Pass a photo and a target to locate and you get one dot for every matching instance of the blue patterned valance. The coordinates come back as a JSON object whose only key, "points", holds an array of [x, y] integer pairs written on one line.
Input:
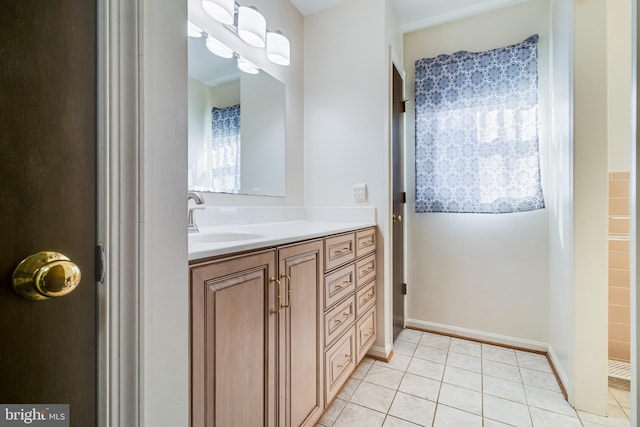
{"points": [[477, 131]]}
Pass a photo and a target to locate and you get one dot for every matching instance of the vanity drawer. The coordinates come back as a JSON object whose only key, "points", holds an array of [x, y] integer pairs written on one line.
{"points": [[366, 332], [339, 284], [339, 364], [339, 250], [365, 298], [365, 270], [339, 319], [365, 242]]}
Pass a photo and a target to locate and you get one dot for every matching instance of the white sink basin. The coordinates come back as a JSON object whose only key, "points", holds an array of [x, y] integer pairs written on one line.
{"points": [[223, 236]]}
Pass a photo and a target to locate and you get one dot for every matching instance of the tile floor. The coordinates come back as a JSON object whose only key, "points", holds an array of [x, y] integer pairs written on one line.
{"points": [[434, 380]]}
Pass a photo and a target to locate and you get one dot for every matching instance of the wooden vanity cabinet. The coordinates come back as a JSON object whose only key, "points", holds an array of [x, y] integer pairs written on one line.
{"points": [[257, 338], [300, 268], [234, 341], [349, 305]]}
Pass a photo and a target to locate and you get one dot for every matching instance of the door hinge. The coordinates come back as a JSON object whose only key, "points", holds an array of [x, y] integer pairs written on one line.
{"points": [[100, 263], [404, 106], [404, 197], [404, 289]]}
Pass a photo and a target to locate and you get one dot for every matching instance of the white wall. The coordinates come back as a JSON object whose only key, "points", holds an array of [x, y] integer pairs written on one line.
{"points": [[347, 86], [480, 275], [282, 15], [590, 205], [164, 316], [559, 196], [618, 81]]}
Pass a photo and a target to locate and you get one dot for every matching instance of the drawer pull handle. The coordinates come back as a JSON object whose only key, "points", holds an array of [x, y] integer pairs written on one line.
{"points": [[366, 299], [287, 279], [341, 250], [345, 316], [366, 270], [347, 360], [369, 333], [366, 244], [277, 282], [343, 284]]}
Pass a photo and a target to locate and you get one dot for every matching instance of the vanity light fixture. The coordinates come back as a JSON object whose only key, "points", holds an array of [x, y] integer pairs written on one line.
{"points": [[193, 30], [278, 48], [252, 26], [216, 47], [247, 66], [247, 24], [220, 10]]}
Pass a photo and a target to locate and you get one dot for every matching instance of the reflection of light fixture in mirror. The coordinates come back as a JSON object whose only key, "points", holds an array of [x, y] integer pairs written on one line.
{"points": [[220, 10], [193, 30], [278, 48], [218, 48], [247, 66], [251, 26]]}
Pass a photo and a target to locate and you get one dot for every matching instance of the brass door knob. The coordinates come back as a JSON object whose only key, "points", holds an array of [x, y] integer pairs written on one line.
{"points": [[397, 218], [45, 275]]}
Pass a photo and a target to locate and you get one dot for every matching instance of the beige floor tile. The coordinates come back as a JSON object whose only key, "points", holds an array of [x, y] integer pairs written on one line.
{"points": [[398, 361], [373, 396], [452, 417], [435, 340], [426, 368], [463, 378], [501, 370], [461, 398], [413, 409], [467, 347], [544, 418], [499, 354], [397, 422], [464, 361], [506, 411], [357, 416], [503, 388], [420, 386], [433, 354], [539, 379], [384, 376]]}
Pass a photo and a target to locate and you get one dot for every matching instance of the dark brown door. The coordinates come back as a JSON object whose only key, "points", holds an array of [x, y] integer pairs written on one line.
{"points": [[48, 200], [399, 199]]}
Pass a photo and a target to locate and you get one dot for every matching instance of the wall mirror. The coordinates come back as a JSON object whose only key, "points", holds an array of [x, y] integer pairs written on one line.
{"points": [[236, 127]]}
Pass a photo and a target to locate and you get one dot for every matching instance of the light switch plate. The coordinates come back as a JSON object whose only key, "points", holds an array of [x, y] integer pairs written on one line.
{"points": [[360, 193]]}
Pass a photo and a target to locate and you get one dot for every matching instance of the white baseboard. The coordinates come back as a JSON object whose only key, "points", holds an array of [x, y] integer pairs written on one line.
{"points": [[561, 373], [478, 335], [379, 352]]}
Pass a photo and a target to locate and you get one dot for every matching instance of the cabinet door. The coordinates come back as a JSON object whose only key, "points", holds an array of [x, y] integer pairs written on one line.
{"points": [[300, 360], [233, 344]]}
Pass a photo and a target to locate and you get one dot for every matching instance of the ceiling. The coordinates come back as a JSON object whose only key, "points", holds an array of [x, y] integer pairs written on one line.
{"points": [[417, 14]]}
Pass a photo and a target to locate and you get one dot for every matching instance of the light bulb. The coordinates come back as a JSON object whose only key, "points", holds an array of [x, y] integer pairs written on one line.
{"points": [[278, 48], [247, 66], [218, 48], [220, 10], [251, 26], [193, 30]]}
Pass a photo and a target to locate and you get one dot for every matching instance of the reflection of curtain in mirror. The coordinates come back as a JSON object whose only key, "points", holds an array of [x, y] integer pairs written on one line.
{"points": [[225, 130]]}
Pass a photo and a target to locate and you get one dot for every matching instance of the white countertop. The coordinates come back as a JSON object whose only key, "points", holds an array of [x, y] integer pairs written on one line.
{"points": [[213, 241]]}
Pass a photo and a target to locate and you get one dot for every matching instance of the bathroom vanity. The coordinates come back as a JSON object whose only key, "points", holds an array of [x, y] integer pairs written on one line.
{"points": [[279, 322]]}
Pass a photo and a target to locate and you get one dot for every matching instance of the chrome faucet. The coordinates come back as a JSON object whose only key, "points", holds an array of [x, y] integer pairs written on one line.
{"points": [[191, 223]]}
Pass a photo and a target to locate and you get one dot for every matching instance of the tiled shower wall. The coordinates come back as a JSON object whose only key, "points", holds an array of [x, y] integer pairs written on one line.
{"points": [[619, 279]]}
